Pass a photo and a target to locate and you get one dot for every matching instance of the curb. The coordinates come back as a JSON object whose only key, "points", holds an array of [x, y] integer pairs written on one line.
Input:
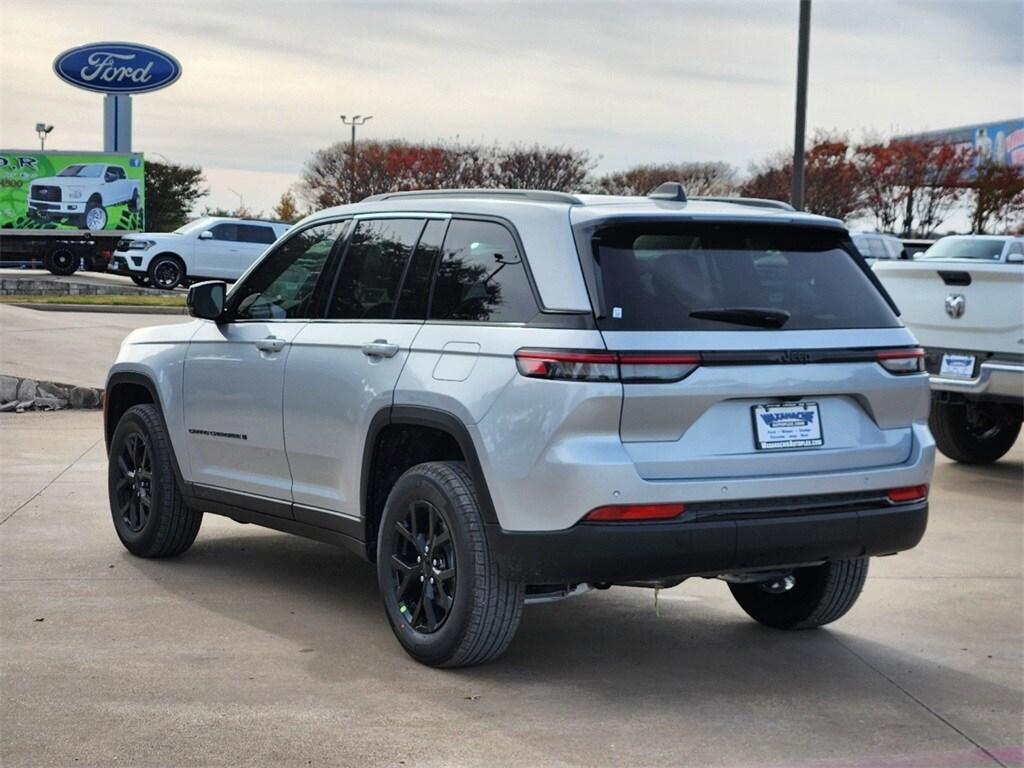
{"points": [[116, 309], [19, 394]]}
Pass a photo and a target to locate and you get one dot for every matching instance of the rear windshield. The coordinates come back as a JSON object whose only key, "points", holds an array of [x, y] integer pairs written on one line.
{"points": [[729, 276], [983, 249]]}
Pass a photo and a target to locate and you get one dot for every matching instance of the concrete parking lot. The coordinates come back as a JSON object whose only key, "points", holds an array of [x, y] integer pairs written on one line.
{"points": [[256, 648]]}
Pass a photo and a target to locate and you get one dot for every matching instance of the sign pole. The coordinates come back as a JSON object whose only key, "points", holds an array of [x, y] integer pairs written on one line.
{"points": [[803, 48], [117, 123]]}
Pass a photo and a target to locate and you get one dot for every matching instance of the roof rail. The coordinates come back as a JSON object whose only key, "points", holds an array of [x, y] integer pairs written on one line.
{"points": [[540, 196], [754, 202]]}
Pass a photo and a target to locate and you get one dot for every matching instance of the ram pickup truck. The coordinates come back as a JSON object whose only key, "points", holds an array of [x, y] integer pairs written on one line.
{"points": [[84, 191], [962, 298]]}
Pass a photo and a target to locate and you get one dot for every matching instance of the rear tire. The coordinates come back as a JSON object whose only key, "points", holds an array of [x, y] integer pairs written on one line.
{"points": [[62, 260], [443, 595], [820, 594], [149, 512], [973, 432]]}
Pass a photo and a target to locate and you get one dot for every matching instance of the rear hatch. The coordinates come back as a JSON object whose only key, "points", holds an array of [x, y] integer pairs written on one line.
{"points": [[752, 349]]}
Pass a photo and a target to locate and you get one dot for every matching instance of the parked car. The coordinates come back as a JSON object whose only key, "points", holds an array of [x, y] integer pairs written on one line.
{"points": [[877, 245], [914, 247], [506, 397], [211, 247], [963, 300], [84, 190]]}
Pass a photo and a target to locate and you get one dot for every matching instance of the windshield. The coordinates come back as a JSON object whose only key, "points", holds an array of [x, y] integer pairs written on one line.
{"points": [[192, 226], [83, 171], [730, 276], [983, 248]]}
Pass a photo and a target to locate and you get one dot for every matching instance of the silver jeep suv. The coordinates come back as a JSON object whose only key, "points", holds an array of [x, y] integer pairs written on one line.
{"points": [[503, 397]]}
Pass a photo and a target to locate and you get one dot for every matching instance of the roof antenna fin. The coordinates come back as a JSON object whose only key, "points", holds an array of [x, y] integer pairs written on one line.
{"points": [[670, 190]]}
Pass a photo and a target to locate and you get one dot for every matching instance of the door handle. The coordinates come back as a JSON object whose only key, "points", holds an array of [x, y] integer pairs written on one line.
{"points": [[270, 344], [380, 348]]}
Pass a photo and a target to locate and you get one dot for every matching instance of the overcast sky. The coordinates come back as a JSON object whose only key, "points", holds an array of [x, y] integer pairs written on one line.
{"points": [[632, 82]]}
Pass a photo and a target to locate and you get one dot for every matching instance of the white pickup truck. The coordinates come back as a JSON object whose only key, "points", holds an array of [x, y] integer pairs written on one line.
{"points": [[964, 300], [84, 191]]}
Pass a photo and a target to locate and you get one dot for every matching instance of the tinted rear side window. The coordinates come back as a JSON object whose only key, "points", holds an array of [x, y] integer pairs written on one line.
{"points": [[251, 233], [655, 275], [412, 303], [374, 264], [481, 276]]}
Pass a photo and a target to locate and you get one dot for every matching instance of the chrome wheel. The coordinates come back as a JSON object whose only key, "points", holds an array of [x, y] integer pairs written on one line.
{"points": [[134, 489], [96, 218], [423, 567]]}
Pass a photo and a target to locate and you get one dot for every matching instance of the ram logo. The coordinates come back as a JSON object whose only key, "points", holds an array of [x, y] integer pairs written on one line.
{"points": [[956, 304]]}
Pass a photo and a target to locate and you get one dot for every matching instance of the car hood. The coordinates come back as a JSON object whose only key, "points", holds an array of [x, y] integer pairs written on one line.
{"points": [[59, 180]]}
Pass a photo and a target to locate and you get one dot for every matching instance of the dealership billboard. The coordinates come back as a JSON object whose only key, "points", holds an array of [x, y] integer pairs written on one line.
{"points": [[1001, 142], [94, 191]]}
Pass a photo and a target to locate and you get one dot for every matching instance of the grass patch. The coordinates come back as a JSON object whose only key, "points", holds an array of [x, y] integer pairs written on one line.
{"points": [[97, 301]]}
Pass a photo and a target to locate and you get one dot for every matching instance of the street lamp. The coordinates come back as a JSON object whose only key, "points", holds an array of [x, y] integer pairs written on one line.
{"points": [[43, 130], [354, 121], [241, 202]]}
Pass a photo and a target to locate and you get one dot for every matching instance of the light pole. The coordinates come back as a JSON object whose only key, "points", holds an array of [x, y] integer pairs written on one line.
{"points": [[241, 202], [803, 49], [354, 121], [43, 130]]}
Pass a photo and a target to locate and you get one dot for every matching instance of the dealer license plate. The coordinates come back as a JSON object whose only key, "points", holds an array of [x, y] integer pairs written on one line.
{"points": [[787, 425], [957, 366]]}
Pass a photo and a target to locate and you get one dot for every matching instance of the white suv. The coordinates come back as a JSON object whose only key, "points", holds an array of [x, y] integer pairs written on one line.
{"points": [[509, 397], [213, 247]]}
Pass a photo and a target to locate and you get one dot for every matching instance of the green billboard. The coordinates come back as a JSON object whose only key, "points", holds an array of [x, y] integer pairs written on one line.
{"points": [[93, 191]]}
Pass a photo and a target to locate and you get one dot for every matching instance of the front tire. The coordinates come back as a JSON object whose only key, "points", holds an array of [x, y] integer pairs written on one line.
{"points": [[150, 514], [166, 272], [973, 432], [819, 594], [443, 595]]}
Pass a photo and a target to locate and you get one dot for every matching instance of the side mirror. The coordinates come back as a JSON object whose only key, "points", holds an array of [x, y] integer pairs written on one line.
{"points": [[1015, 258], [207, 235], [206, 300]]}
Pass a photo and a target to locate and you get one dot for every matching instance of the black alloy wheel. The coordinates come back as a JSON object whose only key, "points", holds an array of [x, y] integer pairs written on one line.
{"points": [[134, 489], [423, 567]]}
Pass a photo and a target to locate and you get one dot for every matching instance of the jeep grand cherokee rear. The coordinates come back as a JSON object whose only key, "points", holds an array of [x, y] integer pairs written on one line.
{"points": [[504, 397]]}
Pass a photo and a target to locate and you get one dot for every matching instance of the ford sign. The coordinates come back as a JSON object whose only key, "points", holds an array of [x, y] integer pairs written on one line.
{"points": [[117, 68]]}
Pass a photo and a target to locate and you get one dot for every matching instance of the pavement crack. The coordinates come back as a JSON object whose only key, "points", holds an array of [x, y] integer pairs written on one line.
{"points": [[919, 702], [57, 477]]}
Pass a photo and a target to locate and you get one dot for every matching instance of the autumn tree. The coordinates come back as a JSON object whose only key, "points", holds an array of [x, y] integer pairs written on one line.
{"points": [[911, 186], [997, 196], [707, 179], [831, 179], [287, 209], [172, 191]]}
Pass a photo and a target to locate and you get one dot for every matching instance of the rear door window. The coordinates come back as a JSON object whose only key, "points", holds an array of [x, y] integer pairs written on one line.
{"points": [[481, 276], [253, 233], [373, 267], [731, 276]]}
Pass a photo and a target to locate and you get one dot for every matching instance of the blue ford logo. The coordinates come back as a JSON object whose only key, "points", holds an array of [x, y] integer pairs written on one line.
{"points": [[117, 68]]}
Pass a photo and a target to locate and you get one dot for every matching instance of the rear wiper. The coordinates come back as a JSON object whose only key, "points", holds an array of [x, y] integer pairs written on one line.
{"points": [[759, 317]]}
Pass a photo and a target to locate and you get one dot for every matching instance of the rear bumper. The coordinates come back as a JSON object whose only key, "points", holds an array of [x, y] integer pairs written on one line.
{"points": [[995, 378], [617, 552]]}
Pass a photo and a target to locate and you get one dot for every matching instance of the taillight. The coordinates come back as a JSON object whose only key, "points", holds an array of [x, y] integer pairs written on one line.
{"points": [[568, 366], [626, 513], [910, 493], [901, 361], [628, 367]]}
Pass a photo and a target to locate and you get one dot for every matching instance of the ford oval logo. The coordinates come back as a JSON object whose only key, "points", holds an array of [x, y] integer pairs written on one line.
{"points": [[117, 68]]}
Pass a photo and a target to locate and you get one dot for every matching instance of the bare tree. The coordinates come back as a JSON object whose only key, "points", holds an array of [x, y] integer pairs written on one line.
{"points": [[712, 178]]}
